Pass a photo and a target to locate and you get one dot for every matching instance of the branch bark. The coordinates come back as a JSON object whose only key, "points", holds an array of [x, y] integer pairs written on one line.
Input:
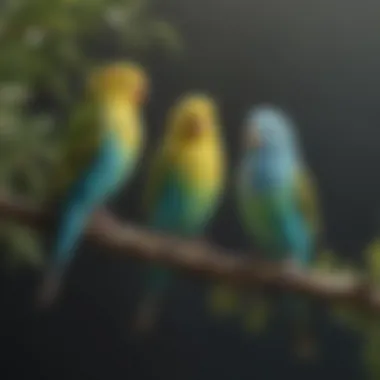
{"points": [[209, 261]]}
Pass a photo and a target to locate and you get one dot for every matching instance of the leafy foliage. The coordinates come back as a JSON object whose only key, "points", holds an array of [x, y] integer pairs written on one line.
{"points": [[254, 312], [371, 326], [46, 45], [223, 300], [251, 308], [366, 325]]}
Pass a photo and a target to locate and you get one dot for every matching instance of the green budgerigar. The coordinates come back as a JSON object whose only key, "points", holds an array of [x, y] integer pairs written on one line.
{"points": [[277, 204], [184, 187]]}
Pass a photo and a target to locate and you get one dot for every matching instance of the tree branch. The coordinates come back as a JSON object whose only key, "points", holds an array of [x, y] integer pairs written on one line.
{"points": [[208, 260]]}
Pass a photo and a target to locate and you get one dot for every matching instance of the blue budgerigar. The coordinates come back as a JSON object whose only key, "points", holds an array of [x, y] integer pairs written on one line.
{"points": [[277, 203], [104, 145]]}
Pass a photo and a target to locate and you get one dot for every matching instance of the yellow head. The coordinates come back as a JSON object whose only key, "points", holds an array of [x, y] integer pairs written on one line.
{"points": [[193, 118], [125, 81]]}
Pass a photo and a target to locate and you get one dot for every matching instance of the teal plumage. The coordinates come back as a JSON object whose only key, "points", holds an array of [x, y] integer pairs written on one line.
{"points": [[276, 203], [111, 166], [180, 210], [279, 227]]}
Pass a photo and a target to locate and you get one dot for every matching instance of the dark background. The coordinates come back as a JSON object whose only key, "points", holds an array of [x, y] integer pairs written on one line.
{"points": [[319, 60]]}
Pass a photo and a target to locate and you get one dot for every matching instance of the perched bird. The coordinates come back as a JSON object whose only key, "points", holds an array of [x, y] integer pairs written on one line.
{"points": [[185, 185], [277, 203], [104, 143]]}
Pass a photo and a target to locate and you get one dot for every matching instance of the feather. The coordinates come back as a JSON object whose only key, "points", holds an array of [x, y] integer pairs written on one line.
{"points": [[308, 200]]}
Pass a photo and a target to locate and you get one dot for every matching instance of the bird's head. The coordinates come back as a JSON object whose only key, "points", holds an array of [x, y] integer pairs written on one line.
{"points": [[121, 81], [193, 118], [268, 127]]}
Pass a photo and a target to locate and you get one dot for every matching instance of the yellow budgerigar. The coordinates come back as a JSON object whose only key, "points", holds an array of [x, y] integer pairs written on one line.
{"points": [[184, 186], [103, 147]]}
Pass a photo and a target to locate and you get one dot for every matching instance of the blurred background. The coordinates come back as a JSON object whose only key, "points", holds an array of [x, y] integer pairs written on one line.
{"points": [[319, 60]]}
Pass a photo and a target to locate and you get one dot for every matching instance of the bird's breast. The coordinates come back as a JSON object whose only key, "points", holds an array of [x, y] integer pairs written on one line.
{"points": [[202, 169], [123, 157], [272, 171], [128, 131]]}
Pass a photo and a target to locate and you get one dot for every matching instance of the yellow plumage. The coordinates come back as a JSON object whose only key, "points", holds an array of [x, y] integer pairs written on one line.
{"points": [[127, 124], [100, 154], [110, 91], [118, 80], [308, 200], [185, 185], [201, 160]]}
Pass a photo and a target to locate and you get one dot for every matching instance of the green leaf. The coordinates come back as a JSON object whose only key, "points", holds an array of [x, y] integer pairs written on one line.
{"points": [[256, 314], [45, 44], [223, 300], [25, 247], [370, 352], [372, 257], [326, 260]]}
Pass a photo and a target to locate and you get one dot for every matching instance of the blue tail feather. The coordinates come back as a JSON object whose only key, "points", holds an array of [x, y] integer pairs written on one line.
{"points": [[72, 224]]}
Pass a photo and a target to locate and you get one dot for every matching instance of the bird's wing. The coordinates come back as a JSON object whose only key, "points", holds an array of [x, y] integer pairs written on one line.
{"points": [[307, 198], [156, 180], [244, 193], [78, 148]]}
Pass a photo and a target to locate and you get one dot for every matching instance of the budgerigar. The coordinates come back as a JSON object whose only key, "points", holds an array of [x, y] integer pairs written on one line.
{"points": [[277, 202], [104, 144], [184, 187]]}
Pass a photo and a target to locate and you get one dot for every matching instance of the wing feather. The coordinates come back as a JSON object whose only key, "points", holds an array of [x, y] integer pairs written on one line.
{"points": [[77, 149], [156, 178], [308, 199]]}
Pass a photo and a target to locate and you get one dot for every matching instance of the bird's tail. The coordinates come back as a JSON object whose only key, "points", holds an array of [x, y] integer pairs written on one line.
{"points": [[48, 289], [69, 228], [150, 306]]}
